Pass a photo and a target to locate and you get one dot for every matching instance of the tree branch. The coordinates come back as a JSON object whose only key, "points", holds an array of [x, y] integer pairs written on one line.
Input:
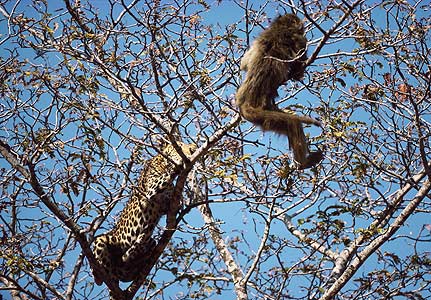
{"points": [[215, 232], [362, 256]]}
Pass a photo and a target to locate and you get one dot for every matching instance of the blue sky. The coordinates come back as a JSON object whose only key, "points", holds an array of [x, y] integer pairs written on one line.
{"points": [[235, 216]]}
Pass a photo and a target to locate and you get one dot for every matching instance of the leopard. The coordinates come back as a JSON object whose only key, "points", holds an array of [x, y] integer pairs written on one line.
{"points": [[123, 250]]}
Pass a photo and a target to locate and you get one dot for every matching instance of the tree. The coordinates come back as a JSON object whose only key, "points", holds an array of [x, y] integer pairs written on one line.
{"points": [[90, 91]]}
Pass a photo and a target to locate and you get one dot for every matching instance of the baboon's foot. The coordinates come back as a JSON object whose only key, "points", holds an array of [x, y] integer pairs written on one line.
{"points": [[313, 159]]}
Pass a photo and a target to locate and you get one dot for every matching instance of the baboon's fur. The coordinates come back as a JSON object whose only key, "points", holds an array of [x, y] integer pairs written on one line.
{"points": [[276, 56]]}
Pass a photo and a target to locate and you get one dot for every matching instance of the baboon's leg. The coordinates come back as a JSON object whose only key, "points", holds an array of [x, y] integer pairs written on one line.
{"points": [[312, 159], [274, 120], [299, 145], [289, 125], [297, 142]]}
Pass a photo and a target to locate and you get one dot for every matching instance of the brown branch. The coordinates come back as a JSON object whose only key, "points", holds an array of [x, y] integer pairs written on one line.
{"points": [[232, 267], [165, 238], [44, 284], [306, 239], [263, 241], [173, 221], [16, 291], [74, 277], [327, 34], [28, 171], [362, 256], [383, 220]]}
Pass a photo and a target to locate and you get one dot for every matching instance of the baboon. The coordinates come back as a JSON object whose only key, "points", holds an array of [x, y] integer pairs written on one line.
{"points": [[277, 55]]}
